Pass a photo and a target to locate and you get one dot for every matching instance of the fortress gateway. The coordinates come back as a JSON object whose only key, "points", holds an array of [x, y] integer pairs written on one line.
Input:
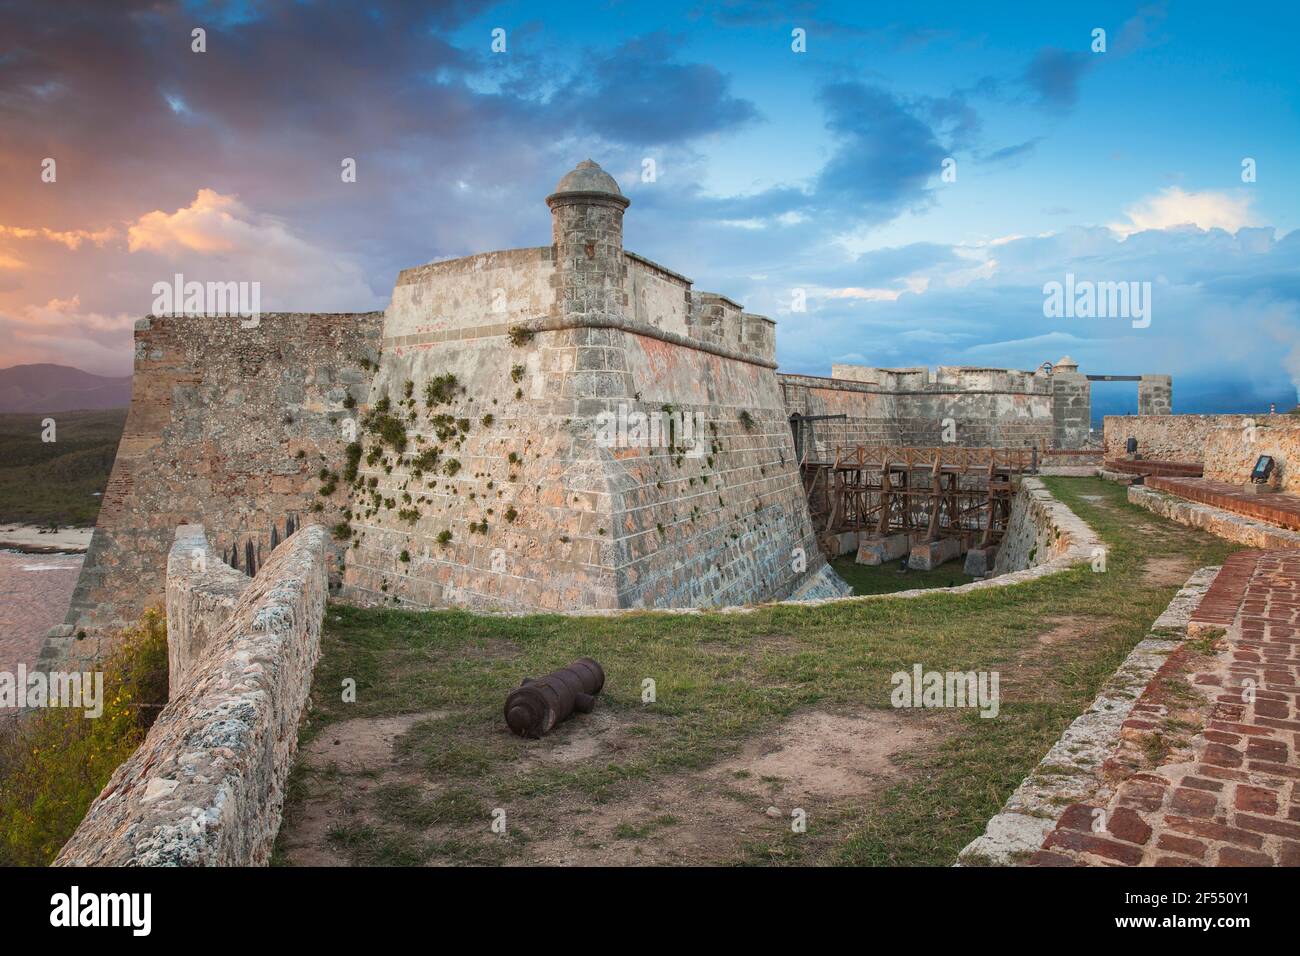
{"points": [[458, 446]]}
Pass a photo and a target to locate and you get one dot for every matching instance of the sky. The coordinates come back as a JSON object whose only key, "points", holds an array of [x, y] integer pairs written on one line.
{"points": [[896, 184]]}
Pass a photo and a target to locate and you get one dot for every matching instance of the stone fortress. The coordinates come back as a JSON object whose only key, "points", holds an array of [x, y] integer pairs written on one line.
{"points": [[453, 443]]}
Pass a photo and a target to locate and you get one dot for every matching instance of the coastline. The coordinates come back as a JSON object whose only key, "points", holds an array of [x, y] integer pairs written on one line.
{"points": [[29, 539]]}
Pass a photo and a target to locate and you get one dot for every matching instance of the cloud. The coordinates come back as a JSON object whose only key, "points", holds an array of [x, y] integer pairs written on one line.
{"points": [[640, 94], [71, 238], [60, 331], [1018, 151], [1053, 76], [218, 237], [1174, 207]]}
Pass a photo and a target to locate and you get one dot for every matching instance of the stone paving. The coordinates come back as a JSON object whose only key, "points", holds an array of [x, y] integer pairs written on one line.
{"points": [[34, 594], [1229, 796], [1276, 508]]}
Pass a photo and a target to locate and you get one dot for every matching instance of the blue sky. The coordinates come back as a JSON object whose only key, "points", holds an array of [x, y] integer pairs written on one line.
{"points": [[776, 170]]}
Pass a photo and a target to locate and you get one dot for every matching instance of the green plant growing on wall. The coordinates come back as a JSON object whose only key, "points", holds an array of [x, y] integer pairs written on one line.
{"points": [[440, 390], [353, 453], [444, 426], [517, 373], [747, 420], [519, 335], [389, 429]]}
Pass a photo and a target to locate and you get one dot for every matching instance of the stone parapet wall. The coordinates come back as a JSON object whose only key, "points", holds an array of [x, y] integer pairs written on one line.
{"points": [[206, 788], [202, 590], [1231, 453], [229, 426], [1230, 525], [1168, 437]]}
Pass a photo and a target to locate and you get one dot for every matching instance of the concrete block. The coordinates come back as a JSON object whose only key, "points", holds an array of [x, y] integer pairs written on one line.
{"points": [[928, 555], [876, 550], [979, 561]]}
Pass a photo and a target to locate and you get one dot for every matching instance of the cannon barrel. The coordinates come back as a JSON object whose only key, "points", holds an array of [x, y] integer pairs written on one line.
{"points": [[536, 706]]}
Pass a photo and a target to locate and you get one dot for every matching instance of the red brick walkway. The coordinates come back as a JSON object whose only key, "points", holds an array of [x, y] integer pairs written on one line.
{"points": [[1276, 508], [1146, 466], [1233, 798]]}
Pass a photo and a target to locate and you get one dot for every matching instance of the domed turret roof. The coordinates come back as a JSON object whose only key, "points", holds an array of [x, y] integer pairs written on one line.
{"points": [[589, 179]]}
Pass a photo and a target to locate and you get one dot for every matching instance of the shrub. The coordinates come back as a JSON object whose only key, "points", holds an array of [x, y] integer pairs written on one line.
{"points": [[520, 335], [353, 460], [440, 390], [55, 761]]}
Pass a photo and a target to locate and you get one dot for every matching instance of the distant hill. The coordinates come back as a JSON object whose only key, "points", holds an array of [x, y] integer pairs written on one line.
{"points": [[36, 389]]}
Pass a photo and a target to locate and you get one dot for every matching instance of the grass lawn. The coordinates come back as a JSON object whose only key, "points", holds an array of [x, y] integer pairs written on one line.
{"points": [[887, 578], [785, 708], [45, 483]]}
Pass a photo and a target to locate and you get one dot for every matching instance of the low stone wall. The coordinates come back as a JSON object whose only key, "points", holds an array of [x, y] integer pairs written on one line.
{"points": [[206, 788], [1230, 453], [202, 590], [1042, 531], [1217, 521], [1185, 438]]}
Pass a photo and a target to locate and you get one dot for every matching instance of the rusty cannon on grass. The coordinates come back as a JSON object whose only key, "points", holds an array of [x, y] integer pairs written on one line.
{"points": [[536, 706]]}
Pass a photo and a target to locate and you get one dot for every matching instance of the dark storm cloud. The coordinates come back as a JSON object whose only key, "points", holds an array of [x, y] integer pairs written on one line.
{"points": [[886, 153], [1053, 77], [442, 130], [638, 94]]}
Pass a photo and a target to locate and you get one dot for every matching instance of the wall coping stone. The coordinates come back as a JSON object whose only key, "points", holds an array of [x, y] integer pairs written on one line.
{"points": [[206, 788]]}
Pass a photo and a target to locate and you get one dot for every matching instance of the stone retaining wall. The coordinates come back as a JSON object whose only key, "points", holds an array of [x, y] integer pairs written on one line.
{"points": [[206, 788], [1042, 531], [1227, 445]]}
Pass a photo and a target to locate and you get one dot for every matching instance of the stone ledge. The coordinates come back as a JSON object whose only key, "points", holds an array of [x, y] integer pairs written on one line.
{"points": [[1225, 524], [206, 788]]}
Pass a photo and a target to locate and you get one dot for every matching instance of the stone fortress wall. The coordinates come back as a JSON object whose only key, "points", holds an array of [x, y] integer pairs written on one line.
{"points": [[228, 426], [454, 443], [1226, 445], [509, 495], [987, 407]]}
